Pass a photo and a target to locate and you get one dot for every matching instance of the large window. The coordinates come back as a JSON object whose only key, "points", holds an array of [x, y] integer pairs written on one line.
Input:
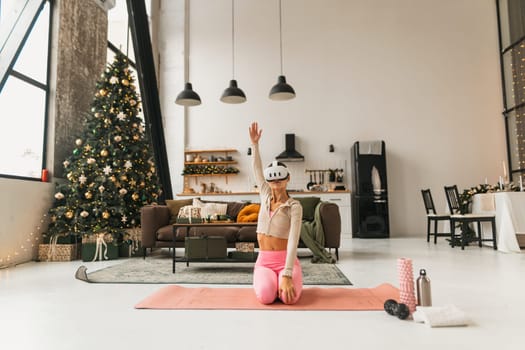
{"points": [[23, 91], [24, 83], [119, 37], [512, 43]]}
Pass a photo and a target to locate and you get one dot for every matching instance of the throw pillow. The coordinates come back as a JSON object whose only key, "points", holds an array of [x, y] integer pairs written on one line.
{"points": [[189, 211], [174, 206], [189, 214], [250, 213], [210, 208], [234, 208], [308, 204]]}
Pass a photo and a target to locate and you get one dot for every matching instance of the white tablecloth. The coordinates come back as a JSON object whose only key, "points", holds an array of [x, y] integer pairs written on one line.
{"points": [[509, 208]]}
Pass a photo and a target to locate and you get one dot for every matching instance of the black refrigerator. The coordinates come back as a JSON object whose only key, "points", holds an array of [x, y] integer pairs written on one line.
{"points": [[369, 190]]}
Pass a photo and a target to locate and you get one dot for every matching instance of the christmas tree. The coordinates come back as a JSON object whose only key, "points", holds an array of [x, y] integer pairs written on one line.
{"points": [[111, 173]]}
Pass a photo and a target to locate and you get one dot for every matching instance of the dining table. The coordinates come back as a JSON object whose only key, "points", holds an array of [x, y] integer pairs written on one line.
{"points": [[509, 208]]}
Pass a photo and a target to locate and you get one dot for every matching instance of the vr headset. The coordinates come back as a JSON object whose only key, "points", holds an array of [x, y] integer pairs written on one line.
{"points": [[275, 172]]}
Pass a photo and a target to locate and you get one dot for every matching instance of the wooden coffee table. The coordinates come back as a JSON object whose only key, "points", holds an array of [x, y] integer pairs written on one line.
{"points": [[188, 226]]}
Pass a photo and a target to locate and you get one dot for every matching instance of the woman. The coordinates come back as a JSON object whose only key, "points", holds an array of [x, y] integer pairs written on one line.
{"points": [[277, 272]]}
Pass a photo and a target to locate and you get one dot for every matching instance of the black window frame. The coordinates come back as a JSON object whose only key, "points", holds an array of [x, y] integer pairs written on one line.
{"points": [[14, 73]]}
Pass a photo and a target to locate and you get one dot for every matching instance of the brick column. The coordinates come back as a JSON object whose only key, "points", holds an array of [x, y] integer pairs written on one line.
{"points": [[81, 58]]}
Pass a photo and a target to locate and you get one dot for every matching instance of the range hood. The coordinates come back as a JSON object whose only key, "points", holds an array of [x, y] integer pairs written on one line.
{"points": [[290, 154]]}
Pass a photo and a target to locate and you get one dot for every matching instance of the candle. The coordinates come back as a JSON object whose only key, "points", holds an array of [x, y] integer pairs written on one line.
{"points": [[504, 171], [45, 174], [500, 183], [486, 182], [521, 184]]}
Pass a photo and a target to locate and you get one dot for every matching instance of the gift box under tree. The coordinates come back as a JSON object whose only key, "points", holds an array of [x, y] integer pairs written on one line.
{"points": [[59, 252], [59, 247], [99, 246]]}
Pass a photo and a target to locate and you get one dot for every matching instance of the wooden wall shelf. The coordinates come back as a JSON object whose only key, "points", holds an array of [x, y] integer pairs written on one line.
{"points": [[211, 163], [201, 175], [224, 163], [219, 150]]}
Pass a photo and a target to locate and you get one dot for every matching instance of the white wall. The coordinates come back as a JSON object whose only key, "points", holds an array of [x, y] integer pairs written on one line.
{"points": [[23, 213], [422, 75]]}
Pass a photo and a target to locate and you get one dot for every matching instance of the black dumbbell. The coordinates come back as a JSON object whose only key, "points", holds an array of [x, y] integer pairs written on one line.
{"points": [[394, 308]]}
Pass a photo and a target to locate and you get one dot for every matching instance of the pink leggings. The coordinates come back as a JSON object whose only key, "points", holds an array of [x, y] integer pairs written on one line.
{"points": [[267, 276]]}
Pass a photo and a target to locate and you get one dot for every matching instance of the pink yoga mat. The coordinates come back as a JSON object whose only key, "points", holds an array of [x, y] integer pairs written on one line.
{"points": [[313, 298]]}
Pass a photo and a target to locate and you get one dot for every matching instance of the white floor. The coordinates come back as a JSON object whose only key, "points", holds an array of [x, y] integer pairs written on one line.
{"points": [[42, 306]]}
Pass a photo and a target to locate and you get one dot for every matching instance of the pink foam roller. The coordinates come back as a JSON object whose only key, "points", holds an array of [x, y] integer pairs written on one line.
{"points": [[406, 283]]}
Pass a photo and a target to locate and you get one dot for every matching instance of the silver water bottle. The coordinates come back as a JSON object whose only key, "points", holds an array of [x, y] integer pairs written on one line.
{"points": [[424, 297]]}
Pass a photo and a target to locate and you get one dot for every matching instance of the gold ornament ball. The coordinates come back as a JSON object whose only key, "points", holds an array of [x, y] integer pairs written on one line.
{"points": [[124, 178], [69, 214], [136, 137], [142, 184], [113, 178], [78, 142], [103, 92], [88, 195], [104, 153], [135, 196], [105, 215], [69, 176], [125, 82]]}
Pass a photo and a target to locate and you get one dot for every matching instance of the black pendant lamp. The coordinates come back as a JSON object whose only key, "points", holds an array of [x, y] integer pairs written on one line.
{"points": [[187, 97], [233, 94], [281, 91]]}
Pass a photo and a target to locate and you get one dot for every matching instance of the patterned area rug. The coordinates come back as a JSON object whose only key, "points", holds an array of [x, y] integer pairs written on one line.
{"points": [[157, 269]]}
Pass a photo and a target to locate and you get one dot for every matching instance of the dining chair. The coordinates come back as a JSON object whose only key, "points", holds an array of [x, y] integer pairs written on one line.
{"points": [[433, 217], [453, 201]]}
